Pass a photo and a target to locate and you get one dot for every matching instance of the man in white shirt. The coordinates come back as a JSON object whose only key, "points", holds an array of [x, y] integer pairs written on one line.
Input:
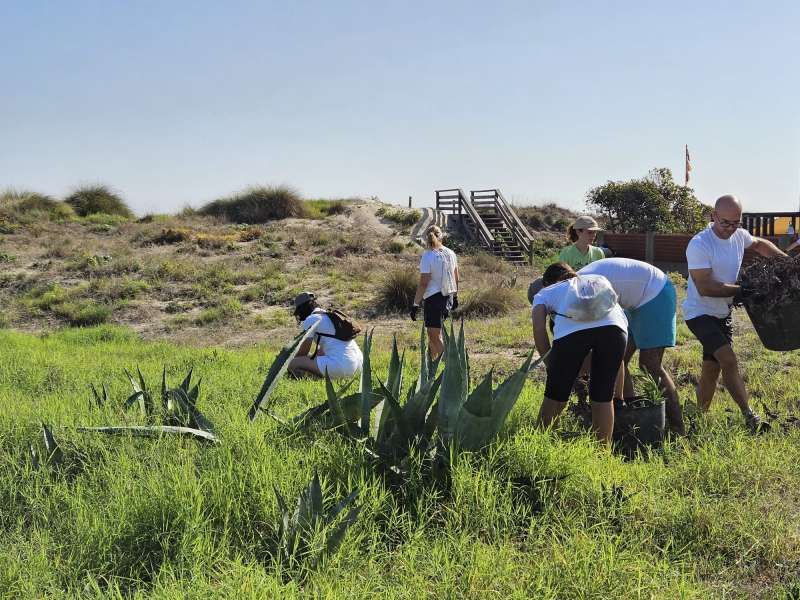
{"points": [[714, 257]]}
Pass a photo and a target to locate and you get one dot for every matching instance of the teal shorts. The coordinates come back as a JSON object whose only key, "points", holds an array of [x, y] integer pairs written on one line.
{"points": [[653, 324]]}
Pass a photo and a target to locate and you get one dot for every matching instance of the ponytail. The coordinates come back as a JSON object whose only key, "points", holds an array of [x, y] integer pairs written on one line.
{"points": [[572, 234], [557, 272], [434, 236]]}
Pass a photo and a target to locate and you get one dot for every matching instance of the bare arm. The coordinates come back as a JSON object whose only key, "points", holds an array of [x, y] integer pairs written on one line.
{"points": [[458, 278], [766, 248], [424, 279], [540, 337], [305, 347], [708, 286]]}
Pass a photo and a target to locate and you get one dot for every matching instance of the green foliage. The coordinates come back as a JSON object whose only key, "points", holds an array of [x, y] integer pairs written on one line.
{"points": [[98, 199], [653, 203], [396, 290], [257, 205], [82, 313], [220, 311], [319, 209], [485, 302], [399, 216], [298, 530]]}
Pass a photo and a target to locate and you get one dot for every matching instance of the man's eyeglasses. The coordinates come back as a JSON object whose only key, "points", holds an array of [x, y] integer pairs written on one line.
{"points": [[729, 224]]}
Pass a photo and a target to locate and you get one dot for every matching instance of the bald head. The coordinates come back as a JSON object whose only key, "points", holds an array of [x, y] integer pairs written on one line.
{"points": [[727, 216], [728, 203]]}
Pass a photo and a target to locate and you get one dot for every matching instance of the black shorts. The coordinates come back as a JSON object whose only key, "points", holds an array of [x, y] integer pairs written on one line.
{"points": [[607, 345], [437, 309], [713, 333]]}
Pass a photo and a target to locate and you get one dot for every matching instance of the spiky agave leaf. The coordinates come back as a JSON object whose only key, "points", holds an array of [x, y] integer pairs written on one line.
{"points": [[335, 538], [152, 431], [394, 385], [140, 394], [343, 410], [366, 383], [278, 369], [99, 400], [54, 453], [196, 418], [483, 415], [187, 381], [418, 403], [393, 436], [455, 382], [194, 393]]}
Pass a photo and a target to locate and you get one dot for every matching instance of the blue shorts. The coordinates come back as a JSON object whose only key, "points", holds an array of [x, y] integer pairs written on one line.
{"points": [[653, 324]]}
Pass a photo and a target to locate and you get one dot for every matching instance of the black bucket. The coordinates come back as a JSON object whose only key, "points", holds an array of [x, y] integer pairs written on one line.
{"points": [[779, 327], [638, 424]]}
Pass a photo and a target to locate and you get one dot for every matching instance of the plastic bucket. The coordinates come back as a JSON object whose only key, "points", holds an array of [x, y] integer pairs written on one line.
{"points": [[638, 424], [779, 327]]}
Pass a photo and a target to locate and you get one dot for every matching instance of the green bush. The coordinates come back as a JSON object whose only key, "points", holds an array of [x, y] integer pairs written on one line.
{"points": [[257, 205], [219, 312], [396, 290], [399, 216], [319, 209], [82, 313], [29, 206], [493, 301], [90, 200]]}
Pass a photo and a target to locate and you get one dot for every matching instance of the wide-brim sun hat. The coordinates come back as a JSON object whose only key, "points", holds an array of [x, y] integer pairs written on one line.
{"points": [[586, 222]]}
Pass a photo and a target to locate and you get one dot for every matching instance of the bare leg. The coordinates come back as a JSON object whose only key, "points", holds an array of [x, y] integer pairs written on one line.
{"points": [[435, 342], [650, 360], [732, 378], [603, 421], [619, 384], [304, 366], [549, 412], [708, 384]]}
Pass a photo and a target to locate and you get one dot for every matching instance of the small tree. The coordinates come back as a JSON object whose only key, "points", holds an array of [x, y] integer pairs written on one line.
{"points": [[653, 203]]}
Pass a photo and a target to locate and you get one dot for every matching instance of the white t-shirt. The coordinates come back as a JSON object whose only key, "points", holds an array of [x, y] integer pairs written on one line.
{"points": [[441, 263], [336, 349], [724, 258], [635, 282], [553, 297]]}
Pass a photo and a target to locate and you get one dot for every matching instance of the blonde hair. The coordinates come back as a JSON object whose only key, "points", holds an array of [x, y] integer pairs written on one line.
{"points": [[434, 234]]}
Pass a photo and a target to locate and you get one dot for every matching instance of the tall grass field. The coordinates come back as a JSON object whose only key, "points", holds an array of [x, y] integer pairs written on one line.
{"points": [[539, 514]]}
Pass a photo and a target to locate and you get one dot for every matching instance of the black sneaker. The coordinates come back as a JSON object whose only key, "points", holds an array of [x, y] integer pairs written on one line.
{"points": [[755, 424]]}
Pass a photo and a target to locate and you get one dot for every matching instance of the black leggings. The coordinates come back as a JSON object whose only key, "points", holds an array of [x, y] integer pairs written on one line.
{"points": [[607, 345]]}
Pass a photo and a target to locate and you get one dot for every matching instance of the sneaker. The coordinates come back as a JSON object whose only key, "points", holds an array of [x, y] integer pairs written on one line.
{"points": [[755, 424]]}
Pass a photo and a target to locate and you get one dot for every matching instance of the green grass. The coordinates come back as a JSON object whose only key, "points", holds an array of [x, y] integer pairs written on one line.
{"points": [[715, 515], [98, 199]]}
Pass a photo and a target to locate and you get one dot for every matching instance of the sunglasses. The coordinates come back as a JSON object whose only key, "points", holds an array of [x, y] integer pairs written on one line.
{"points": [[729, 224]]}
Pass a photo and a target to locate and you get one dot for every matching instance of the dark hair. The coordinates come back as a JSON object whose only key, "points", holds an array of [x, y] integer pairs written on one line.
{"points": [[302, 312], [557, 272], [572, 234]]}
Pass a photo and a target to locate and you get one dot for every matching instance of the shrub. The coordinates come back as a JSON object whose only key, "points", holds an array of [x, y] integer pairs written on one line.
{"points": [[318, 209], [488, 262], [493, 301], [96, 199], [32, 205], [396, 290], [399, 216], [82, 313], [219, 312], [395, 247], [257, 205], [171, 236]]}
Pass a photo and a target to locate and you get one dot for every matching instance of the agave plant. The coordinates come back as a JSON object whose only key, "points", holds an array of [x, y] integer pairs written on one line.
{"points": [[298, 528], [177, 413], [54, 456], [278, 370]]}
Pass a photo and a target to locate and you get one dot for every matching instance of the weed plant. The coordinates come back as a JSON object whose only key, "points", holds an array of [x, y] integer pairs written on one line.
{"points": [[98, 199], [396, 290], [257, 205]]}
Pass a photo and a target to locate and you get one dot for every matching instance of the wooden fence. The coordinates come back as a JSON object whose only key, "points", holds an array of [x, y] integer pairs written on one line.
{"points": [[666, 250]]}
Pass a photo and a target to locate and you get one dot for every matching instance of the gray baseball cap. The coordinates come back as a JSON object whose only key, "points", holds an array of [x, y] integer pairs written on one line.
{"points": [[534, 288], [302, 298]]}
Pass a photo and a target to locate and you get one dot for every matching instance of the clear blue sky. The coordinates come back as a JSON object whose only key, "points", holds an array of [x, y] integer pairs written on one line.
{"points": [[181, 102]]}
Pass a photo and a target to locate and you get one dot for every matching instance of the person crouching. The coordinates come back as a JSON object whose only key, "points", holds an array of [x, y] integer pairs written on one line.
{"points": [[587, 318], [341, 359]]}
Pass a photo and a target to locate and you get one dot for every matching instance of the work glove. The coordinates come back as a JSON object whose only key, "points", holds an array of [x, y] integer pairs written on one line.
{"points": [[413, 312], [455, 302], [742, 295]]}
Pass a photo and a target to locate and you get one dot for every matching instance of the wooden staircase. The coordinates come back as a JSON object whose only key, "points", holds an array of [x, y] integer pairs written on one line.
{"points": [[487, 219]]}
